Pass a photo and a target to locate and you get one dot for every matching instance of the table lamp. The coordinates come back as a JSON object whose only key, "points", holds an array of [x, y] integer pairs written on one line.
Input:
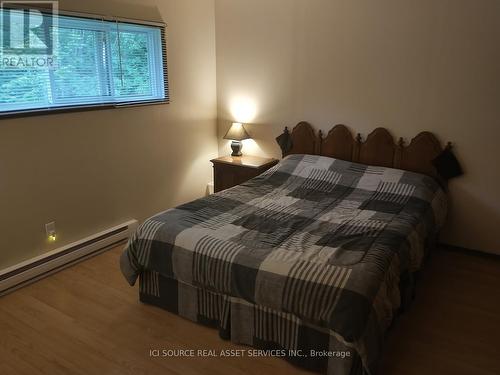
{"points": [[236, 134]]}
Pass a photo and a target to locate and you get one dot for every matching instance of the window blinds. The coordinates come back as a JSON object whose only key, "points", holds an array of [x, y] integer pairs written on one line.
{"points": [[96, 62]]}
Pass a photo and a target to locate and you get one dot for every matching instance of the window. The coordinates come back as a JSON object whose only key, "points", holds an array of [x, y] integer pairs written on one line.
{"points": [[95, 63]]}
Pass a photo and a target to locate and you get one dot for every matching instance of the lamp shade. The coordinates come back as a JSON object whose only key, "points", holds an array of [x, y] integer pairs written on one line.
{"points": [[237, 132]]}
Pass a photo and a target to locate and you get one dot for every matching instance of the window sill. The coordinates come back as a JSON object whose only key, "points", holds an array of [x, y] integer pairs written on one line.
{"points": [[83, 108]]}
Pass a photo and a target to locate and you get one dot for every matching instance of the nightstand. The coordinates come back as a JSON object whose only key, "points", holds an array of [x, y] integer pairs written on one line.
{"points": [[230, 171]]}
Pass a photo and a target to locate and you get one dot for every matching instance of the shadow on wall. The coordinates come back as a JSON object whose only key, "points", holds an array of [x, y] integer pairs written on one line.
{"points": [[267, 145], [470, 231]]}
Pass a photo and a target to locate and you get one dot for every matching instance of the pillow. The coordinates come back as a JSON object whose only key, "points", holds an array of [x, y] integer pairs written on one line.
{"points": [[285, 142], [447, 164]]}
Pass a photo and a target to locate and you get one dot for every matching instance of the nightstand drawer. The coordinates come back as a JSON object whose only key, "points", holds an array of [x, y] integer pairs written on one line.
{"points": [[232, 171], [226, 176]]}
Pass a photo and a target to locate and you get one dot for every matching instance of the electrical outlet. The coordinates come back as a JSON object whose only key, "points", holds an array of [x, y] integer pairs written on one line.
{"points": [[50, 230]]}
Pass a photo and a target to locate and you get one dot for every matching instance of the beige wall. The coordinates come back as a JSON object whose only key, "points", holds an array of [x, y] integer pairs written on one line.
{"points": [[406, 65], [91, 170]]}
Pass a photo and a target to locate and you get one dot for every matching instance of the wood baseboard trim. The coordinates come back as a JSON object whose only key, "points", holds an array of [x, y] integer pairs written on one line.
{"points": [[465, 250], [47, 264]]}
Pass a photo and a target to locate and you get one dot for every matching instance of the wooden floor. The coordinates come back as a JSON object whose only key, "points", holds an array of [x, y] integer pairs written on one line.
{"points": [[87, 320]]}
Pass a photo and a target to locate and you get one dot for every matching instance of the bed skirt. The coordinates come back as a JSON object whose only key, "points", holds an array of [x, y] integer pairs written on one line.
{"points": [[304, 345]]}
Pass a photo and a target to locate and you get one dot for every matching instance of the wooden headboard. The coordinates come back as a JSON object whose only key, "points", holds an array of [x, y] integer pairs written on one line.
{"points": [[377, 149]]}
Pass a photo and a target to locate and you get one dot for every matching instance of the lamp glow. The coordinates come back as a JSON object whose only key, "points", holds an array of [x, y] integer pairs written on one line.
{"points": [[243, 109]]}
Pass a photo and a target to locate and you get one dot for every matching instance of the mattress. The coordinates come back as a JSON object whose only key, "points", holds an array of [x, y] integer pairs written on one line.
{"points": [[321, 240]]}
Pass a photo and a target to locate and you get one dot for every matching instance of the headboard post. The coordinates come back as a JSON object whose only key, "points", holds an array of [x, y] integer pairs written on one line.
{"points": [[398, 154], [357, 148], [320, 142]]}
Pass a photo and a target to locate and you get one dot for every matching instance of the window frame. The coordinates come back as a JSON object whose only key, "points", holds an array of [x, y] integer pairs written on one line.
{"points": [[121, 24]]}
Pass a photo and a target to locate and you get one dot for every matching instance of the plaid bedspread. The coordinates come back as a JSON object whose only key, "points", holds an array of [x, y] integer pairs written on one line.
{"points": [[319, 238]]}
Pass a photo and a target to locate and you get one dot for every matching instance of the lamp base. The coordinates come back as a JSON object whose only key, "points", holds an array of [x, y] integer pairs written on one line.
{"points": [[236, 146]]}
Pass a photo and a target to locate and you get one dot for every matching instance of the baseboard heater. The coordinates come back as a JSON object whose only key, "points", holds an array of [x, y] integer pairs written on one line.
{"points": [[44, 265]]}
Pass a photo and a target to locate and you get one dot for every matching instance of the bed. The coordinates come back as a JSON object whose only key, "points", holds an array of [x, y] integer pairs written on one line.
{"points": [[308, 260]]}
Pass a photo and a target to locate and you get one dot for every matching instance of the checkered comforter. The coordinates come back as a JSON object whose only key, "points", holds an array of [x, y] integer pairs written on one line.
{"points": [[323, 239]]}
